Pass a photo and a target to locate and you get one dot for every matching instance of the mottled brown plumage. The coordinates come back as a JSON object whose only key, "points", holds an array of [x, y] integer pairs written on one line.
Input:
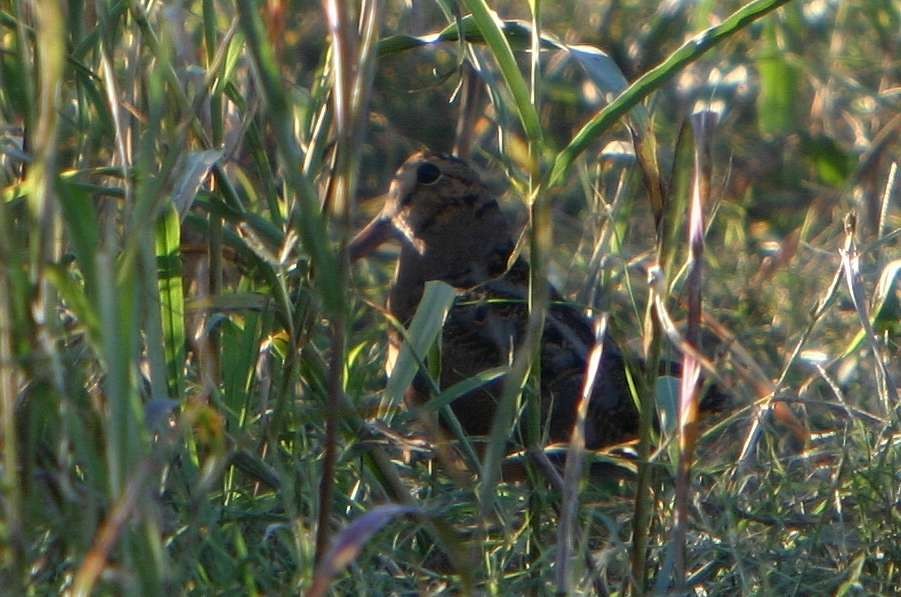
{"points": [[452, 229]]}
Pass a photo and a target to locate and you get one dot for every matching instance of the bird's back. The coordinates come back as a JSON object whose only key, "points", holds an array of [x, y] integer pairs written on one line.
{"points": [[484, 327]]}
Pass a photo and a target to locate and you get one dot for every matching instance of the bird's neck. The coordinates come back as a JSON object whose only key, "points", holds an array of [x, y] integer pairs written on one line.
{"points": [[412, 273], [409, 284]]}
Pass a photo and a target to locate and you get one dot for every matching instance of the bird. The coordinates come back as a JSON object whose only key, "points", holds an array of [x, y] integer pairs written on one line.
{"points": [[451, 228]]}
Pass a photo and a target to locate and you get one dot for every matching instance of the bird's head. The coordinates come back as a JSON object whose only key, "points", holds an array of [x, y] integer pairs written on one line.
{"points": [[450, 224]]}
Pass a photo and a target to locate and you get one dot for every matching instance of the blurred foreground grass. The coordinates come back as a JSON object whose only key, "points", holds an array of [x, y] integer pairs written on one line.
{"points": [[189, 368]]}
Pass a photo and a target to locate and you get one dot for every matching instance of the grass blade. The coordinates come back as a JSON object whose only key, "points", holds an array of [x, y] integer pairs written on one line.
{"points": [[422, 333], [172, 299], [491, 28], [654, 79]]}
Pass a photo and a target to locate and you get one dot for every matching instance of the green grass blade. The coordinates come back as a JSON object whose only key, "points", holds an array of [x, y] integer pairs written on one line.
{"points": [[172, 301], [422, 333], [309, 219], [491, 28], [779, 86], [654, 79], [80, 220], [447, 396]]}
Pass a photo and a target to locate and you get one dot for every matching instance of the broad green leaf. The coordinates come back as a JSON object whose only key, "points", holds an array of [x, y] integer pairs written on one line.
{"points": [[671, 227], [666, 400], [231, 301], [422, 333], [243, 341], [603, 71], [250, 257], [885, 312], [80, 219], [172, 301], [517, 33], [886, 301], [235, 48], [120, 329]]}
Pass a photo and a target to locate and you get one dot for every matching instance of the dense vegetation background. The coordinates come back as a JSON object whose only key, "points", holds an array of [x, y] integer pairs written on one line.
{"points": [[190, 370]]}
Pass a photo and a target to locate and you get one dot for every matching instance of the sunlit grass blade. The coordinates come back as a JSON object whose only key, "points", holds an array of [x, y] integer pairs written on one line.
{"points": [[572, 472], [172, 300], [422, 333]]}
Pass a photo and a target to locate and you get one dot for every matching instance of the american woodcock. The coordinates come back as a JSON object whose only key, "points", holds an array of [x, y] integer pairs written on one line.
{"points": [[452, 229]]}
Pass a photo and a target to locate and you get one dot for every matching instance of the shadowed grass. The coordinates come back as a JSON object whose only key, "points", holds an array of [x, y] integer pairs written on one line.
{"points": [[192, 382]]}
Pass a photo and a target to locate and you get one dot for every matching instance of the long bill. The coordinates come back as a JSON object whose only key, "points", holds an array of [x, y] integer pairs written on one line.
{"points": [[367, 240]]}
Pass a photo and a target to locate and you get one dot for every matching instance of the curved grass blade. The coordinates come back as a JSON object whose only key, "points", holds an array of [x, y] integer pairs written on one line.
{"points": [[350, 542], [654, 79], [191, 171], [517, 33]]}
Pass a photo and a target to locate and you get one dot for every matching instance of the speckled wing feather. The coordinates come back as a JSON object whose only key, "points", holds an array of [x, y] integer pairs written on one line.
{"points": [[489, 321]]}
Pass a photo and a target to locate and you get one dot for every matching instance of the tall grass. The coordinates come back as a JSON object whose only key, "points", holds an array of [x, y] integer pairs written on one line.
{"points": [[191, 386]]}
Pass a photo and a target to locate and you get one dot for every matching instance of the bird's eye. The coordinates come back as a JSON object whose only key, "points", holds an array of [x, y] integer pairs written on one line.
{"points": [[427, 173]]}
